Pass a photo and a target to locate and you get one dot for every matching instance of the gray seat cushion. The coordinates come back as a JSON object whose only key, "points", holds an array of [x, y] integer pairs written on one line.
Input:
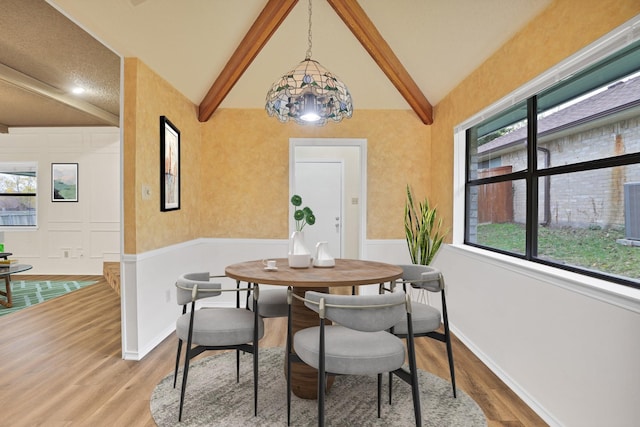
{"points": [[219, 326], [423, 317], [349, 351]]}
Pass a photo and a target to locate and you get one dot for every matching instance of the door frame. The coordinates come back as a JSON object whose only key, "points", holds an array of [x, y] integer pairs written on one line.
{"points": [[361, 144]]}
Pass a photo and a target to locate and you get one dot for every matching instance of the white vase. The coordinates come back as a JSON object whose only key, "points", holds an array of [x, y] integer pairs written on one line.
{"points": [[299, 255], [323, 258]]}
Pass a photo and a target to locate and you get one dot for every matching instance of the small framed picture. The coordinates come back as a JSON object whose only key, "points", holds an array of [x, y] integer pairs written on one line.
{"points": [[169, 166], [64, 182]]}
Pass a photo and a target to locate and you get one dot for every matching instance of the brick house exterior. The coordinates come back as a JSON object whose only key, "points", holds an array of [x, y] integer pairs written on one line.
{"points": [[604, 125]]}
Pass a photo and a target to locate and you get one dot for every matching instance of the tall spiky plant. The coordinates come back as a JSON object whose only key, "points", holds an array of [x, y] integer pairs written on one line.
{"points": [[423, 230]]}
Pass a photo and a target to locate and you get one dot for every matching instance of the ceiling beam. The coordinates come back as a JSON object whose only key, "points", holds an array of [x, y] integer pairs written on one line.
{"points": [[260, 32], [32, 85], [361, 26]]}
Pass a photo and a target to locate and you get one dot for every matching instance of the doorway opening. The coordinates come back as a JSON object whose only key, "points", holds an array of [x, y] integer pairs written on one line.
{"points": [[313, 156]]}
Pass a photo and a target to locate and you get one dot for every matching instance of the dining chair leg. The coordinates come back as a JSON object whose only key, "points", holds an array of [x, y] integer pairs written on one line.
{"points": [[255, 381], [289, 346], [451, 369], [187, 358], [447, 340], [379, 394], [416, 398], [237, 366], [414, 380], [238, 306], [288, 388], [175, 372], [390, 387], [322, 376], [185, 373], [321, 387]]}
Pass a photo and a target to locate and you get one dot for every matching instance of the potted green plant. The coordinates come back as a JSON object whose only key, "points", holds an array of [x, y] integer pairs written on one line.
{"points": [[302, 216], [299, 256], [423, 230]]}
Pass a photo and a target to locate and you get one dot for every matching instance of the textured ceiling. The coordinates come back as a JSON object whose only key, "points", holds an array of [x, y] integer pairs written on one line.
{"points": [[43, 55], [188, 43]]}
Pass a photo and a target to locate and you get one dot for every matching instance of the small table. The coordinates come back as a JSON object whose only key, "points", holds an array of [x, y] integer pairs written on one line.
{"points": [[347, 272], [6, 272]]}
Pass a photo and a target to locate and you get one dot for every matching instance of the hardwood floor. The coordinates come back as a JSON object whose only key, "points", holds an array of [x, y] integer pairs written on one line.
{"points": [[61, 365]]}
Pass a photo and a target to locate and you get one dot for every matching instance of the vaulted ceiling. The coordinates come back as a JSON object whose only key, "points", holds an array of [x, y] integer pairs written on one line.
{"points": [[401, 54]]}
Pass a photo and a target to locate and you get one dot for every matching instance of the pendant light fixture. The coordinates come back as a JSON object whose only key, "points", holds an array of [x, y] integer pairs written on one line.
{"points": [[309, 94]]}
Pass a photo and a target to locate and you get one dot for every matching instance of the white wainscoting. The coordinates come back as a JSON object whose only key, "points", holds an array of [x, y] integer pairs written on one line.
{"points": [[570, 354], [71, 237], [148, 284], [149, 308]]}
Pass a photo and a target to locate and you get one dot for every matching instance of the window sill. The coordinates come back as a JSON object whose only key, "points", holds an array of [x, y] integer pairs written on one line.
{"points": [[612, 293]]}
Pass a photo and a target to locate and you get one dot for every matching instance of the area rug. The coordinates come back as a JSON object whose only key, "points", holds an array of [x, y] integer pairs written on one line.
{"points": [[26, 293], [213, 398]]}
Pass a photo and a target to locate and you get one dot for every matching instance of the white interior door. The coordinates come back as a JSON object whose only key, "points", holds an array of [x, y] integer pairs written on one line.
{"points": [[320, 184]]}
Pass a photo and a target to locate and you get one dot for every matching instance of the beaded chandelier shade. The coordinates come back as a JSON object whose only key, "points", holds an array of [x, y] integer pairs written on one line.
{"points": [[309, 93]]}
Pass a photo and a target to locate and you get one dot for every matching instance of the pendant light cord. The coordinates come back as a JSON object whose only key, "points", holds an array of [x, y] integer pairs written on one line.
{"points": [[308, 56]]}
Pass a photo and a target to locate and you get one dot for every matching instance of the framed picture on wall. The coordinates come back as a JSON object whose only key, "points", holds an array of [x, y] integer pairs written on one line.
{"points": [[64, 182], [169, 165]]}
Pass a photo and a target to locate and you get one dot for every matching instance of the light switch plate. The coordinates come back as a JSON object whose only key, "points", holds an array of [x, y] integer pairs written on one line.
{"points": [[146, 192]]}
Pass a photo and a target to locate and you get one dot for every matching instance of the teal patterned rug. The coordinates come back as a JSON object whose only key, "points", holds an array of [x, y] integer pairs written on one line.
{"points": [[26, 293]]}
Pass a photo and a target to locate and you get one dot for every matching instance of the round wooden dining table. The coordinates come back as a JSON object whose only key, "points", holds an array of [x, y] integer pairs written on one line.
{"points": [[345, 273]]}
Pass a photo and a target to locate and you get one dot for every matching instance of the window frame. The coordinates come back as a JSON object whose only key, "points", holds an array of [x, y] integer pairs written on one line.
{"points": [[616, 41], [35, 166]]}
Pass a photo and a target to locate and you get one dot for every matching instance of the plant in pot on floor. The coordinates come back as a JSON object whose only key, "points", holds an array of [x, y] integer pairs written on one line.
{"points": [[299, 255], [424, 233], [423, 230]]}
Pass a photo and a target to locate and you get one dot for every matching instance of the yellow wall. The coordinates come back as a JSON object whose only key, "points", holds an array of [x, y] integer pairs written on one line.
{"points": [[235, 166], [245, 169], [561, 30], [147, 97]]}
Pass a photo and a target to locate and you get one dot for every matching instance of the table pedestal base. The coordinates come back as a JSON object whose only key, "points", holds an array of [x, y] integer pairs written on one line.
{"points": [[346, 273]]}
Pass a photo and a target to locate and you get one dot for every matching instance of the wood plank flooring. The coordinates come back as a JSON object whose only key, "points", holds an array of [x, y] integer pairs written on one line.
{"points": [[61, 365]]}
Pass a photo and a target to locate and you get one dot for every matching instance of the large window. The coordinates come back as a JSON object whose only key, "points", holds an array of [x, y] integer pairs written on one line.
{"points": [[555, 179], [18, 189]]}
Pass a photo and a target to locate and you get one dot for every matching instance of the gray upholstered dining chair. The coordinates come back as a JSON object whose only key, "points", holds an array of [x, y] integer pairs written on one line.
{"points": [[217, 328], [426, 319], [185, 303], [273, 302], [358, 344]]}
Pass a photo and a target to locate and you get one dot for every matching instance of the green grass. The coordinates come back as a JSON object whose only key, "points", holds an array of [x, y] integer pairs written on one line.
{"points": [[594, 249]]}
